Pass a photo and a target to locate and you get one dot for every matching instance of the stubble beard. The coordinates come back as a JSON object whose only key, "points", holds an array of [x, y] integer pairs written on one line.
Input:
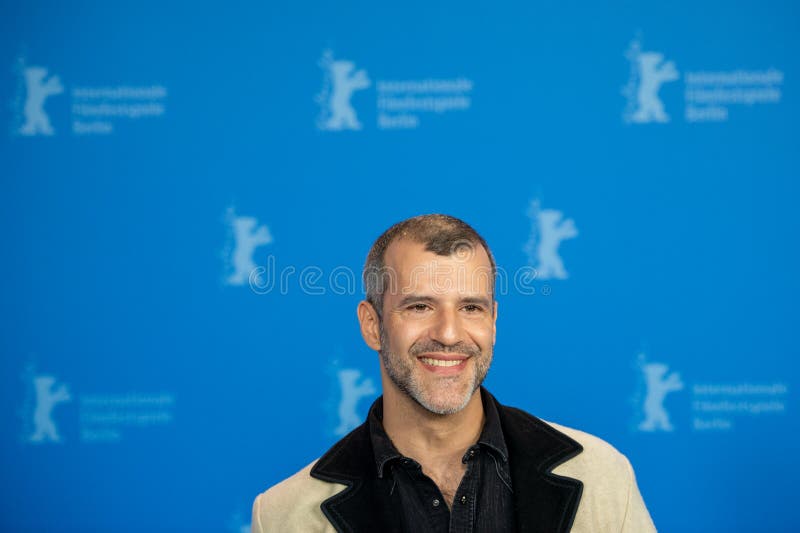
{"points": [[400, 370]]}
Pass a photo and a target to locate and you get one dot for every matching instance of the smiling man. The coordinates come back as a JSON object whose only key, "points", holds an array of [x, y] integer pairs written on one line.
{"points": [[437, 451]]}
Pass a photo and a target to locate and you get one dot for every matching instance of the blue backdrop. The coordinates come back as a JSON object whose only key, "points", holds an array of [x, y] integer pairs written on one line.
{"points": [[189, 191]]}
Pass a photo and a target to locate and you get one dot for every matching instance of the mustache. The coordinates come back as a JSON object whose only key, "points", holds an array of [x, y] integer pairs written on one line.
{"points": [[460, 348]]}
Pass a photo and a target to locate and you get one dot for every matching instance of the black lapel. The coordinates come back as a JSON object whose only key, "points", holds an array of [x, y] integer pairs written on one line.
{"points": [[544, 502], [364, 505]]}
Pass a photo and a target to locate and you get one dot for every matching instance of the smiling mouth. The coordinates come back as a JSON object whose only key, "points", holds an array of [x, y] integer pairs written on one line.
{"points": [[441, 362]]}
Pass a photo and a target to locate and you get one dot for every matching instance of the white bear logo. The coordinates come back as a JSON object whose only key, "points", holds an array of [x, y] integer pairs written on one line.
{"points": [[649, 72], [248, 236], [548, 229], [659, 384], [47, 397], [340, 82], [353, 388], [38, 88]]}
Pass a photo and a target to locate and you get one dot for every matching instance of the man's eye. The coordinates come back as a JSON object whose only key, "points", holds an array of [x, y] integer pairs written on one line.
{"points": [[418, 307], [472, 308]]}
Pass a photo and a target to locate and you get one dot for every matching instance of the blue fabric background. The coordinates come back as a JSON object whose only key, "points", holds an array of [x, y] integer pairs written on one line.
{"points": [[116, 247]]}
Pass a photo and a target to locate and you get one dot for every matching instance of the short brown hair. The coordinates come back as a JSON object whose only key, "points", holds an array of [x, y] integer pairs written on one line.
{"points": [[441, 234]]}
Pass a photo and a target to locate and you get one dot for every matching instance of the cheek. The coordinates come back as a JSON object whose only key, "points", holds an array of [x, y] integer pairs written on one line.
{"points": [[484, 335], [401, 330], [402, 336]]}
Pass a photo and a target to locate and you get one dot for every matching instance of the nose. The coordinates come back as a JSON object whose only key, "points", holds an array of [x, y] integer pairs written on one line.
{"points": [[447, 327]]}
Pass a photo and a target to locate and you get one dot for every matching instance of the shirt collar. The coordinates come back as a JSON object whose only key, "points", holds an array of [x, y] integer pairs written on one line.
{"points": [[382, 446], [384, 450], [492, 434]]}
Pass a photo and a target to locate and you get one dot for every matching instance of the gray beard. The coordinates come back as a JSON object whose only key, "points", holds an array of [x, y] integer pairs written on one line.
{"points": [[402, 376]]}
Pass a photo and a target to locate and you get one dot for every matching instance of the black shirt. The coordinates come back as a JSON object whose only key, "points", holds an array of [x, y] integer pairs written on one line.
{"points": [[483, 501]]}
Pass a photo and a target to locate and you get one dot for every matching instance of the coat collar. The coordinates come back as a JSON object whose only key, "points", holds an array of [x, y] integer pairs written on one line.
{"points": [[544, 502], [491, 437]]}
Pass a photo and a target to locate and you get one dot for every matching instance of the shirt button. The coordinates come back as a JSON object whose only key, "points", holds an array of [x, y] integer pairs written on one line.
{"points": [[435, 502], [472, 453], [463, 499]]}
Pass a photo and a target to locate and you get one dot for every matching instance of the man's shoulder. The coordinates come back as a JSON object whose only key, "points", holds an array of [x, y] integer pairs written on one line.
{"points": [[294, 504], [596, 452], [300, 480], [610, 499]]}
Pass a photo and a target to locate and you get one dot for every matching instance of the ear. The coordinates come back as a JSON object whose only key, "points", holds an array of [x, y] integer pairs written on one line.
{"points": [[370, 329], [494, 324]]}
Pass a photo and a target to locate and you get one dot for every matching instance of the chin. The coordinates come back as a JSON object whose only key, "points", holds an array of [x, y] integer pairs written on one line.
{"points": [[448, 403]]}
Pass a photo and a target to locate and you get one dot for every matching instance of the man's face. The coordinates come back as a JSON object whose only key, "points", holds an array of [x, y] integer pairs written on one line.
{"points": [[438, 326]]}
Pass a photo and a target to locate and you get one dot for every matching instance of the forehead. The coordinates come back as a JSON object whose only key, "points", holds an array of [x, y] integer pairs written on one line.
{"points": [[414, 269]]}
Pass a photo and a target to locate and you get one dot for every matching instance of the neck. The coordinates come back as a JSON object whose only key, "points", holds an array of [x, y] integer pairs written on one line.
{"points": [[427, 437]]}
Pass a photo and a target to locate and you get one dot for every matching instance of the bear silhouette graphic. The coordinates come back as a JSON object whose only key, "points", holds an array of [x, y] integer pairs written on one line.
{"points": [[353, 388], [248, 236], [37, 91], [47, 397], [341, 81], [659, 385], [548, 229]]}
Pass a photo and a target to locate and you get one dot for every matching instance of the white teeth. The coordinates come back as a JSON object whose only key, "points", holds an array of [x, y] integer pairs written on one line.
{"points": [[440, 362]]}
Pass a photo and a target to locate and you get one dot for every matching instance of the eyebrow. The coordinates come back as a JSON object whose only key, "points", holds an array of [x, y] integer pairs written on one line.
{"points": [[416, 298]]}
